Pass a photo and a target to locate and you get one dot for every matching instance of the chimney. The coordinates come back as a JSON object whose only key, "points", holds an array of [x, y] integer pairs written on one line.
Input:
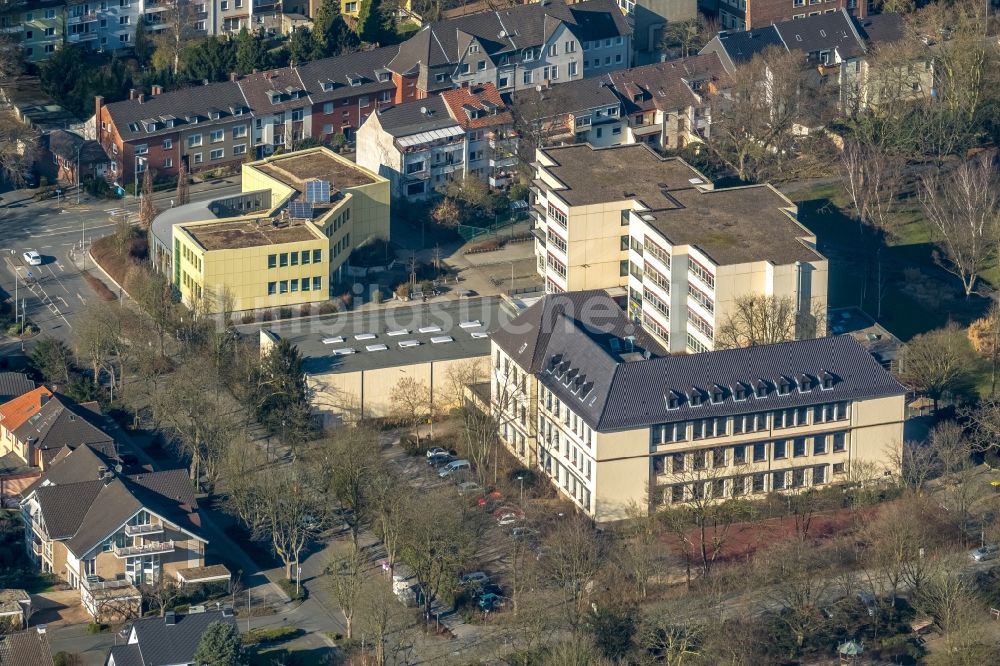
{"points": [[169, 618], [141, 97], [157, 89], [131, 94], [204, 82], [233, 76], [254, 71], [42, 628]]}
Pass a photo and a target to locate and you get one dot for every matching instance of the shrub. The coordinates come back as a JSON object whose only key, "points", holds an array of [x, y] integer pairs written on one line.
{"points": [[284, 313], [403, 291], [247, 318], [267, 315], [412, 446], [290, 589], [96, 628], [328, 307], [271, 635], [67, 659], [306, 310]]}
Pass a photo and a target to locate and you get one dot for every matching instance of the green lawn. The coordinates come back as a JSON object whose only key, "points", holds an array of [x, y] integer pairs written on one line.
{"points": [[917, 295]]}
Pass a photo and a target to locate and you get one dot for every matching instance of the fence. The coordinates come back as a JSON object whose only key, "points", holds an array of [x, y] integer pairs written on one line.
{"points": [[469, 232]]}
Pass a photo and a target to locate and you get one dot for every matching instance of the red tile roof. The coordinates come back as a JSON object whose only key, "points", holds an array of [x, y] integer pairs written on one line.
{"points": [[15, 412], [474, 96]]}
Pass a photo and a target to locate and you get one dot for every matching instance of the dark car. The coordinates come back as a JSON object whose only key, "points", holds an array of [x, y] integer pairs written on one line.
{"points": [[30, 180], [440, 459]]}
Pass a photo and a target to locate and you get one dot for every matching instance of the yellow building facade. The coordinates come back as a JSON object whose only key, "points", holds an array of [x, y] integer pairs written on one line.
{"points": [[280, 255]]}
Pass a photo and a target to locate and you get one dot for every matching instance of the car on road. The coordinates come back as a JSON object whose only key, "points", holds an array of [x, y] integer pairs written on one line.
{"points": [[454, 467], [469, 488], [32, 258], [436, 451], [983, 553], [474, 578]]}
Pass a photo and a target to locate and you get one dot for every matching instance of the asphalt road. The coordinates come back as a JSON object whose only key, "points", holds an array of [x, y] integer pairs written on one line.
{"points": [[56, 292]]}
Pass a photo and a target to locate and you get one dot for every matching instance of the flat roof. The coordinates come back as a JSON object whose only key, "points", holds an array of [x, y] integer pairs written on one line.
{"points": [[392, 336], [296, 168], [618, 173], [735, 225], [247, 232]]}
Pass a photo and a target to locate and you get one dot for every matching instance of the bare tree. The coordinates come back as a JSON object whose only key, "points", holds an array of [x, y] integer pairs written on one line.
{"points": [[873, 179], [178, 29], [11, 56], [984, 334], [685, 38], [411, 402], [183, 187], [757, 319], [288, 509], [951, 599], [796, 578], [346, 579], [351, 461], [160, 594], [963, 208], [18, 146], [575, 555], [390, 499], [937, 363]]}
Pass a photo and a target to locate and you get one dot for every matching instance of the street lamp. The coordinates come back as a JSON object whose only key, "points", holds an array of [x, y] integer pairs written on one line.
{"points": [[510, 292], [78, 149], [520, 477]]}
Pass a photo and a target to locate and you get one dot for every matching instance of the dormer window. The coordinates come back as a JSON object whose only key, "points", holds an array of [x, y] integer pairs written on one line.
{"points": [[761, 388], [695, 396], [327, 86], [718, 394], [673, 399], [827, 380], [805, 381], [274, 95], [354, 80], [133, 127], [214, 114], [784, 386], [740, 391], [384, 76]]}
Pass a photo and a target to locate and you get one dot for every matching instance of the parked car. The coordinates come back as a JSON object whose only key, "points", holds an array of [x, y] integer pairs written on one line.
{"points": [[490, 501], [436, 451], [521, 532], [983, 553], [474, 578], [469, 488], [439, 459], [508, 516], [868, 601], [32, 258], [30, 180], [454, 467]]}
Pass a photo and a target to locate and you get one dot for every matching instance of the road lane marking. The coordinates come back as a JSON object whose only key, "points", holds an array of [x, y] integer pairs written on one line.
{"points": [[80, 297]]}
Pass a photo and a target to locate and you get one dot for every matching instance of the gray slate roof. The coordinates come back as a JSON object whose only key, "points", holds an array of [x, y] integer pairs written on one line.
{"points": [[508, 30], [66, 144], [14, 384], [193, 101], [335, 72], [25, 648], [635, 394], [409, 118], [160, 644], [73, 466], [569, 97]]}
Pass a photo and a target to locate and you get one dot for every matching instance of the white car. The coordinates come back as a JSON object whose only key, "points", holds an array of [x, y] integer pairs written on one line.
{"points": [[436, 451], [32, 258]]}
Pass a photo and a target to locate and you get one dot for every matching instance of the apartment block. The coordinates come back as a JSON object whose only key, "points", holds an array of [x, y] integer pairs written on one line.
{"points": [[516, 48], [649, 19], [280, 243], [581, 111], [685, 251], [588, 398], [421, 145], [750, 14]]}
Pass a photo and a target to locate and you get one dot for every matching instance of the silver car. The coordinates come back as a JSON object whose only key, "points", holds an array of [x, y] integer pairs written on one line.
{"points": [[983, 553]]}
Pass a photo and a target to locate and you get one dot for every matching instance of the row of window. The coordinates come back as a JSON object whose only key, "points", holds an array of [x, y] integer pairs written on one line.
{"points": [[334, 225], [341, 245], [761, 482], [701, 298], [191, 257], [305, 257], [701, 273], [661, 255], [557, 215], [569, 418], [564, 446], [555, 239], [556, 265], [700, 324], [740, 424], [657, 278], [656, 302], [566, 479], [608, 43], [294, 285], [656, 328], [192, 286], [596, 62], [742, 454], [694, 345]]}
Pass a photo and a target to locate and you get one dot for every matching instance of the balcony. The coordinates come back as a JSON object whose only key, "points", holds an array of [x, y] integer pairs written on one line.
{"points": [[83, 37], [83, 18], [503, 162], [144, 530], [36, 548], [11, 29], [154, 548], [91, 584]]}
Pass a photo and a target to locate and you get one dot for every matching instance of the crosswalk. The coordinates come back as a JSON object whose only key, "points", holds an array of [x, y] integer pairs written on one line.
{"points": [[116, 213]]}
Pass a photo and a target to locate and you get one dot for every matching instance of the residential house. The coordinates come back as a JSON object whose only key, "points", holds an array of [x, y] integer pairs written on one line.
{"points": [[613, 424], [40, 424], [683, 249], [171, 640], [281, 109], [77, 159], [516, 48], [282, 241], [40, 26], [14, 384], [105, 532], [348, 89], [649, 19], [582, 111], [837, 45], [668, 105], [753, 14], [26, 648], [421, 145]]}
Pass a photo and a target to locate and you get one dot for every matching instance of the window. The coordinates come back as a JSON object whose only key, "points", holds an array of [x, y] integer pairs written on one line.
{"points": [[553, 48], [194, 140], [439, 78], [819, 445], [839, 442], [217, 135], [317, 283], [839, 468], [759, 482], [819, 475], [272, 260], [240, 149], [739, 455], [778, 481], [272, 287], [557, 215], [503, 82], [49, 32], [124, 20], [799, 447], [168, 144], [415, 167], [318, 254], [239, 131], [198, 158], [295, 285], [283, 259], [701, 273], [297, 113], [677, 463], [780, 449], [527, 77], [415, 188], [224, 5], [294, 259], [124, 39], [217, 154], [168, 162]]}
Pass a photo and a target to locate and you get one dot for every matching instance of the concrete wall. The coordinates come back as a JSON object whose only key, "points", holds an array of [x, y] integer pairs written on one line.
{"points": [[348, 396]]}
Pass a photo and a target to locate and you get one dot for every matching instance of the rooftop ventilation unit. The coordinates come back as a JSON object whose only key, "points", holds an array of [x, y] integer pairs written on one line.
{"points": [[346, 351], [401, 331], [375, 348], [409, 343], [441, 339], [365, 336], [479, 335], [333, 341], [471, 324], [429, 329]]}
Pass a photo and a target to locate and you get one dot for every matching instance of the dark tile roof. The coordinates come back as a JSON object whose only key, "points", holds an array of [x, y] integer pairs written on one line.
{"points": [[162, 644], [14, 384], [635, 394], [508, 30], [61, 422], [330, 78], [179, 104], [569, 97], [125, 655], [669, 85], [65, 145], [280, 85], [85, 513], [741, 46], [594, 315], [821, 33], [25, 648], [881, 28], [410, 117], [74, 466]]}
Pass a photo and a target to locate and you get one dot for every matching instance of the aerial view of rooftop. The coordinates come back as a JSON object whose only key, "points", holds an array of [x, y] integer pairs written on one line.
{"points": [[527, 332]]}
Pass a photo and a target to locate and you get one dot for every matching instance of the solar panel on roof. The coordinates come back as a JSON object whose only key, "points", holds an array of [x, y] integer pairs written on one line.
{"points": [[318, 191], [300, 210]]}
